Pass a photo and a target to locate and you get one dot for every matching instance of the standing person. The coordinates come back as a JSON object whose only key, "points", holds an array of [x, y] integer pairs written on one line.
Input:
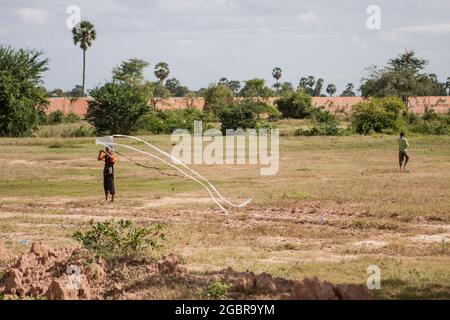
{"points": [[108, 156], [403, 145]]}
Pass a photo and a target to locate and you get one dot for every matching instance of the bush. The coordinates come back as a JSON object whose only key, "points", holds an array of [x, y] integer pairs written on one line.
{"points": [[429, 123], [217, 97], [261, 109], [217, 289], [42, 118], [116, 239], [237, 116], [379, 114], [72, 118], [166, 121], [321, 129], [82, 131], [56, 117], [297, 105], [116, 107]]}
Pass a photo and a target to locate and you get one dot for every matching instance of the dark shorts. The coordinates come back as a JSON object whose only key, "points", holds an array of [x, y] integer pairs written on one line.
{"points": [[108, 183], [402, 155]]}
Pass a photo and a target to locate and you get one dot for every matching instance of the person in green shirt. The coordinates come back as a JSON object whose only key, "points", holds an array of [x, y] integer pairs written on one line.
{"points": [[403, 156]]}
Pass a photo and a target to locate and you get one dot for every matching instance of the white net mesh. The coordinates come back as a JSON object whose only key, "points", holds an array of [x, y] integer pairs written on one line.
{"points": [[107, 141]]}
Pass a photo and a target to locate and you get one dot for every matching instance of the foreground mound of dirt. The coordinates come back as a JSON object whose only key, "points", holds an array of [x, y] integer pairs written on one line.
{"points": [[280, 288], [75, 274], [4, 254]]}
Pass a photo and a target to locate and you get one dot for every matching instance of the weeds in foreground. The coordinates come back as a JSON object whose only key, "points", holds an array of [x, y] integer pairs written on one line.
{"points": [[116, 239], [217, 290]]}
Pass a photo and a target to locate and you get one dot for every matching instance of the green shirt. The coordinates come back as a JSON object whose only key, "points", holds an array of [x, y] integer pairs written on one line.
{"points": [[403, 144]]}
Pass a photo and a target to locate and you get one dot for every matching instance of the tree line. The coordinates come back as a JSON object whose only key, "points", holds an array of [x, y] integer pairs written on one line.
{"points": [[123, 101]]}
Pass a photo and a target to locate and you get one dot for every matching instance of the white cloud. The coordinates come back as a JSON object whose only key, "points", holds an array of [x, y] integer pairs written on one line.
{"points": [[308, 17], [428, 29], [33, 16]]}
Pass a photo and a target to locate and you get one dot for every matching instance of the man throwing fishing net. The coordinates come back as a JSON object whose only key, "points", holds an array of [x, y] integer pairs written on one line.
{"points": [[108, 156]]}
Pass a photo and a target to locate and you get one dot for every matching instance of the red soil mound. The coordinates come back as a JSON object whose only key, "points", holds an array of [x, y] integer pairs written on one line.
{"points": [[75, 274]]}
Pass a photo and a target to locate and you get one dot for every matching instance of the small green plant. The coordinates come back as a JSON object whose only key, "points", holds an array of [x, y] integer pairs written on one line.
{"points": [[72, 118], [56, 117], [116, 239], [217, 290]]}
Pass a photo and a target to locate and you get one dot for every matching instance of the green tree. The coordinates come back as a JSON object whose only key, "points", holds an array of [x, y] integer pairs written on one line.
{"points": [[162, 71], [84, 34], [348, 92], [297, 105], [331, 89], [234, 85], [116, 107], [237, 115], [318, 88], [175, 87], [277, 73], [22, 98], [403, 76], [308, 84], [216, 97], [56, 93], [256, 88], [286, 87], [130, 71], [76, 92]]}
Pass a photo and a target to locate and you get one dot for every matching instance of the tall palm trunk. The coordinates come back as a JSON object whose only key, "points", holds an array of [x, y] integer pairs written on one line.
{"points": [[84, 72]]}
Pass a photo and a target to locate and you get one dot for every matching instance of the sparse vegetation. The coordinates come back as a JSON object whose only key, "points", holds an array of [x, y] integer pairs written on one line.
{"points": [[115, 239], [217, 290]]}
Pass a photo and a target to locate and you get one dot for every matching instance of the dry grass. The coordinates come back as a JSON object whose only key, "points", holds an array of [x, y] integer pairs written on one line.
{"points": [[336, 206]]}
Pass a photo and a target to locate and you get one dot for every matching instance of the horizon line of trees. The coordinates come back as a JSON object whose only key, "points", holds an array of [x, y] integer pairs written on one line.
{"points": [[122, 101], [403, 76]]}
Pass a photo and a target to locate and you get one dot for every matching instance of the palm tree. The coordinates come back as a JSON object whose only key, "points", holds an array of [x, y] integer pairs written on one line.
{"points": [[84, 34], [331, 89], [276, 73], [162, 71]]}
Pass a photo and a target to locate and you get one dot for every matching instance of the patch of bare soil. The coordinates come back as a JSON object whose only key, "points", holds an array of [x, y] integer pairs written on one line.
{"points": [[74, 274], [4, 254]]}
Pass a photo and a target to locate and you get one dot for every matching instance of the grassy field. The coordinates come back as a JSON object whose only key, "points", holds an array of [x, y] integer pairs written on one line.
{"points": [[336, 206]]}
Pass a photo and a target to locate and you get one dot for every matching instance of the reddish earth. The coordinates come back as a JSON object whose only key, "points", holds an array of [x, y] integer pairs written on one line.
{"points": [[69, 273], [332, 104]]}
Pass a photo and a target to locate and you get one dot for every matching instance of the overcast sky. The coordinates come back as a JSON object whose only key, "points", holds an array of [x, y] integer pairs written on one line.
{"points": [[203, 40]]}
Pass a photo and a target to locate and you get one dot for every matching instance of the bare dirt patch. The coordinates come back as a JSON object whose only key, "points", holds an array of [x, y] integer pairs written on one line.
{"points": [[74, 274]]}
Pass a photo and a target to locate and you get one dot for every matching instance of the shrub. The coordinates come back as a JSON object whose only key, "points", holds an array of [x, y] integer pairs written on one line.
{"points": [[116, 107], [217, 290], [56, 117], [115, 239], [150, 122], [72, 118], [81, 131], [42, 118], [261, 109], [437, 126], [166, 121], [181, 119], [379, 114], [237, 116], [321, 129], [297, 105], [217, 97]]}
